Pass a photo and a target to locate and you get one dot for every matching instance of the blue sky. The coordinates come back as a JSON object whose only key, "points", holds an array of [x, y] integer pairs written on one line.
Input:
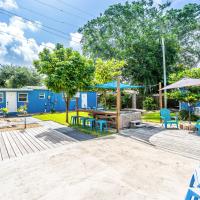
{"points": [[21, 41]]}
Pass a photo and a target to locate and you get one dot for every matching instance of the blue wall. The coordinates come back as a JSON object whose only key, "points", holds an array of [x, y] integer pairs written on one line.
{"points": [[53, 101], [3, 104]]}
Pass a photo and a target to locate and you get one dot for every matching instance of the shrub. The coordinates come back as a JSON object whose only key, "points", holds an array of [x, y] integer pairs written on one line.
{"points": [[22, 109], [184, 115], [4, 111], [149, 104]]}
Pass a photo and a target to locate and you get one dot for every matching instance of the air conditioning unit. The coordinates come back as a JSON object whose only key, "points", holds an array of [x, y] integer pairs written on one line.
{"points": [[197, 111]]}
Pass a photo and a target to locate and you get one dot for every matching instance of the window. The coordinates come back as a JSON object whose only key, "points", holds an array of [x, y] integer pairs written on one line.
{"points": [[23, 97], [42, 96], [1, 97]]}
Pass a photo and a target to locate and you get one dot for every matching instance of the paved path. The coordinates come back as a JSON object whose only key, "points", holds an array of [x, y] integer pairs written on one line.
{"points": [[178, 141], [107, 168]]}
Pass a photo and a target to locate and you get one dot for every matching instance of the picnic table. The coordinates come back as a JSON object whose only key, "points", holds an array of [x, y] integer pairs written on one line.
{"points": [[109, 116]]}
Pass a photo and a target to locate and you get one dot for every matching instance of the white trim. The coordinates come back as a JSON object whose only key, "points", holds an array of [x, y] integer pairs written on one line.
{"points": [[14, 90], [22, 93], [2, 97], [42, 93]]}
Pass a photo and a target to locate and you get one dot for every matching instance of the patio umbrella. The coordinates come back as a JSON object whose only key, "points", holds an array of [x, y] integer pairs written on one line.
{"points": [[113, 86], [185, 82]]}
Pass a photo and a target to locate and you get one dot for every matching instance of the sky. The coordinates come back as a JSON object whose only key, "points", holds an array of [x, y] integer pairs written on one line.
{"points": [[28, 26]]}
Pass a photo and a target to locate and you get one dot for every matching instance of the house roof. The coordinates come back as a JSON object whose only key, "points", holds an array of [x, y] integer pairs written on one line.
{"points": [[27, 88]]}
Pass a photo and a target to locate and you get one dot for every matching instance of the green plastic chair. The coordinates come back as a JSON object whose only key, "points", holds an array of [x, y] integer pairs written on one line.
{"points": [[167, 118]]}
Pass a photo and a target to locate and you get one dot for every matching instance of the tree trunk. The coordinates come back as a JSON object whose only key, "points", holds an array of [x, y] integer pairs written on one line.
{"points": [[67, 110], [67, 101]]}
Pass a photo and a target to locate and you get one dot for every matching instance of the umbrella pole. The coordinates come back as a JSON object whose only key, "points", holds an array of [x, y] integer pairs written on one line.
{"points": [[118, 104]]}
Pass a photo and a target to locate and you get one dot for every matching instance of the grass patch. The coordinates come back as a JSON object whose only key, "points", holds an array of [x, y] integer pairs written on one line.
{"points": [[153, 116], [61, 119], [88, 130]]}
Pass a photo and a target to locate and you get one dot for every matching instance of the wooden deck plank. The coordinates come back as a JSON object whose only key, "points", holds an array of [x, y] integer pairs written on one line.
{"points": [[14, 145], [26, 146], [38, 140], [28, 142], [35, 141], [4, 151], [8, 145], [37, 133], [60, 137], [48, 137], [18, 143]]}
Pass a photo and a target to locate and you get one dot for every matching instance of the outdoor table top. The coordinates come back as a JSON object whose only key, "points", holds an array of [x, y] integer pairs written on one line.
{"points": [[98, 111]]}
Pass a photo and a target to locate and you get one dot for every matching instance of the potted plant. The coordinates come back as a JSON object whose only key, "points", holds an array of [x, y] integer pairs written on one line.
{"points": [[23, 111]]}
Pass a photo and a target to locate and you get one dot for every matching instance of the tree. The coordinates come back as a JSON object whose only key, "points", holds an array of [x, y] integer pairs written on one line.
{"points": [[132, 32], [66, 71], [17, 76], [184, 73], [106, 71]]}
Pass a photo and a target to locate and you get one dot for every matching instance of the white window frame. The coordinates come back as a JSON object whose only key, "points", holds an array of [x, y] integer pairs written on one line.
{"points": [[26, 96], [2, 97], [43, 94]]}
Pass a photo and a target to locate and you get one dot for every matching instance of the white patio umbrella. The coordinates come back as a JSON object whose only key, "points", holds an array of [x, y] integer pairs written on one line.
{"points": [[185, 82]]}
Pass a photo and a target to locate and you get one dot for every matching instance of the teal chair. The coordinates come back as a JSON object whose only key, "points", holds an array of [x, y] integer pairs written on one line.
{"points": [[83, 121], [91, 122], [74, 120], [193, 192], [197, 126], [102, 125], [167, 118]]}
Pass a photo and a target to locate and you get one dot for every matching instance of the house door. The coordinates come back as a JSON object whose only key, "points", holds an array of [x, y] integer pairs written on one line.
{"points": [[84, 100], [11, 101]]}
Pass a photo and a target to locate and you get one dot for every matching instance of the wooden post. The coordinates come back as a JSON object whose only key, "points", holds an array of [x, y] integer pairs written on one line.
{"points": [[160, 95], [77, 112], [118, 104], [134, 99]]}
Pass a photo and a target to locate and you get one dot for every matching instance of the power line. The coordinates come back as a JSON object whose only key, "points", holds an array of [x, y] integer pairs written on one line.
{"points": [[60, 10], [76, 8], [56, 32], [47, 17]]}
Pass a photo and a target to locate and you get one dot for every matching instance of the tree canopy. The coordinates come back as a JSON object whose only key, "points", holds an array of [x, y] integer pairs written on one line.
{"points": [[17, 76], [66, 71], [106, 71], [133, 31]]}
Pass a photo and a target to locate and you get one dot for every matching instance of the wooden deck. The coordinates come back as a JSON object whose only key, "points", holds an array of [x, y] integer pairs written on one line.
{"points": [[19, 143], [177, 141]]}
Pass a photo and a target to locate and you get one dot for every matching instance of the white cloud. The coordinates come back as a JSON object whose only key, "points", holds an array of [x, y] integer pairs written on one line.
{"points": [[14, 42], [75, 41], [8, 4]]}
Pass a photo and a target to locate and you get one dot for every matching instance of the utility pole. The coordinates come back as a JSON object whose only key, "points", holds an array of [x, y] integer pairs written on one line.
{"points": [[164, 71]]}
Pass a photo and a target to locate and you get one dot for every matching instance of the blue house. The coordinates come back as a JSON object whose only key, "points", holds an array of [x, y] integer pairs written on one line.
{"points": [[41, 100]]}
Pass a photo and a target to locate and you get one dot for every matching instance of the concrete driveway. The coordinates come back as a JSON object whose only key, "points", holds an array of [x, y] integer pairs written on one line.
{"points": [[109, 168]]}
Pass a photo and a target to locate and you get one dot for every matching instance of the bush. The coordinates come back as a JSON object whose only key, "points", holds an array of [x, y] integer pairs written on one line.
{"points": [[184, 115], [4, 111], [22, 109], [149, 104]]}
